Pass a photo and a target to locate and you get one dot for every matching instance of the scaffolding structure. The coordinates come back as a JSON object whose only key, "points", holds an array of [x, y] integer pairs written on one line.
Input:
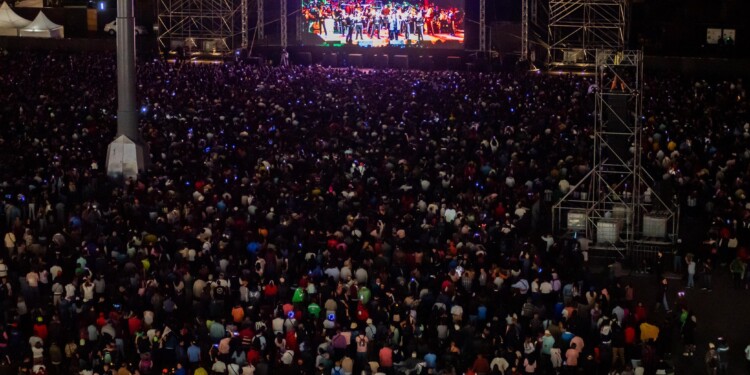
{"points": [[244, 21], [577, 28], [284, 15], [616, 205], [207, 25]]}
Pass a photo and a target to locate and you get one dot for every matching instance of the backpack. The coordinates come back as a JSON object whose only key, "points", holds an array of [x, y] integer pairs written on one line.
{"points": [[337, 371], [220, 291]]}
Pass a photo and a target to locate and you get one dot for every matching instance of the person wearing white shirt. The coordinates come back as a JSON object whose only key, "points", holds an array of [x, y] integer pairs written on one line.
{"points": [[57, 292], [333, 272], [499, 363], [87, 289], [3, 268], [277, 325], [233, 369], [219, 367], [545, 287], [70, 291]]}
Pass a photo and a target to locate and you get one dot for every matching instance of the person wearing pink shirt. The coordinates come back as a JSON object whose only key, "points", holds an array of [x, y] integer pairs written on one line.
{"points": [[571, 359]]}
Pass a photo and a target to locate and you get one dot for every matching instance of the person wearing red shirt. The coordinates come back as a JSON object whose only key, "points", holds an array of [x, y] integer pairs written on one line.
{"points": [[253, 356], [481, 366], [270, 290], [134, 325], [291, 341], [386, 359], [40, 330]]}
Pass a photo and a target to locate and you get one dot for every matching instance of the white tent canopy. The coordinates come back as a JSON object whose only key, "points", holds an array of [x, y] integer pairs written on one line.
{"points": [[29, 4], [10, 22], [42, 27]]}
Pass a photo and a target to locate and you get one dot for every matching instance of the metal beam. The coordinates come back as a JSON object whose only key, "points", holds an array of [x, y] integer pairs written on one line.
{"points": [[206, 23], [580, 27], [245, 26]]}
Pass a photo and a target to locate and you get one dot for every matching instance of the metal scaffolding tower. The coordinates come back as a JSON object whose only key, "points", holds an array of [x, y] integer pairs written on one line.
{"points": [[298, 29], [284, 18], [482, 26], [616, 205], [577, 28], [245, 26], [204, 24]]}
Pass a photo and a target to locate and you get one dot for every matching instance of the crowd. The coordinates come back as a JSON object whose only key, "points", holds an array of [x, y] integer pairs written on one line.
{"points": [[303, 220]]}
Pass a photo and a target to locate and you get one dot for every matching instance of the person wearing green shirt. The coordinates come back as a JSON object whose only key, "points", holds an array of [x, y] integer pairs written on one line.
{"points": [[314, 309], [364, 295], [299, 296]]}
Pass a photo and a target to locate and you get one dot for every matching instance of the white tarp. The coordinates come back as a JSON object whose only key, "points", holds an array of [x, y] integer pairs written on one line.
{"points": [[30, 4], [125, 158], [10, 22], [42, 27]]}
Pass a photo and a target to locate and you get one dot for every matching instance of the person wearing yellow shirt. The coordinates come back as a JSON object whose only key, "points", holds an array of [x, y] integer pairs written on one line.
{"points": [[649, 331]]}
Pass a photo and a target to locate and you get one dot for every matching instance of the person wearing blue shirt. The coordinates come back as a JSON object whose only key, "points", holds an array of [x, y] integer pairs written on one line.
{"points": [[430, 360], [194, 355]]}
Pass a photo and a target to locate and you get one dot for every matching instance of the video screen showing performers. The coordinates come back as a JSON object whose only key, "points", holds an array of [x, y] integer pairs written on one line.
{"points": [[375, 23]]}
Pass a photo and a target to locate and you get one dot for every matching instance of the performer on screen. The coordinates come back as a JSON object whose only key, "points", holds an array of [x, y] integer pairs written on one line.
{"points": [[338, 25], [419, 24], [322, 15], [403, 20], [358, 25], [392, 26], [375, 24], [349, 27], [429, 13]]}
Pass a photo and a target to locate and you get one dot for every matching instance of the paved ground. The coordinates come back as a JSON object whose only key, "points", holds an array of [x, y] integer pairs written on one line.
{"points": [[724, 312]]}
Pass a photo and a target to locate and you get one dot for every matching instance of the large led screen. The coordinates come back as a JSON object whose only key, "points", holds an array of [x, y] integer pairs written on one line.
{"points": [[373, 23]]}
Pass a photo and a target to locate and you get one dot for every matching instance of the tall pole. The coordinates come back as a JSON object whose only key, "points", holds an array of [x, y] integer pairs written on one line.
{"points": [[127, 112], [126, 155], [261, 23], [524, 30], [482, 26]]}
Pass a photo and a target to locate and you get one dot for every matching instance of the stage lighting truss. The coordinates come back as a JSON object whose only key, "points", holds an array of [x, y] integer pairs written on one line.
{"points": [[577, 28], [617, 189], [208, 23]]}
